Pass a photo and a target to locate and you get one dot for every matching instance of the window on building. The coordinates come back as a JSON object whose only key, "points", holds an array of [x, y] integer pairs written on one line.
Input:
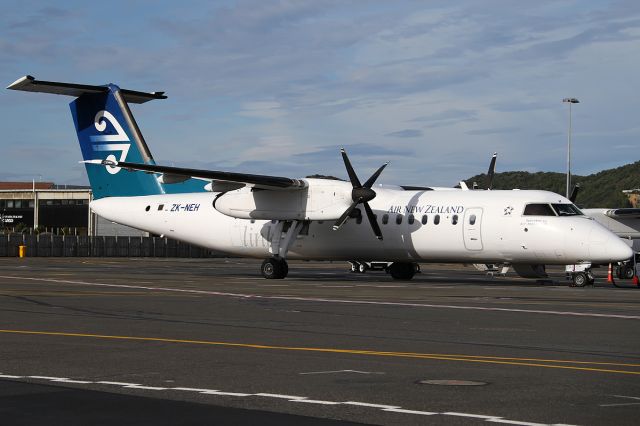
{"points": [[425, 219], [17, 204], [436, 219], [9, 204], [31, 204]]}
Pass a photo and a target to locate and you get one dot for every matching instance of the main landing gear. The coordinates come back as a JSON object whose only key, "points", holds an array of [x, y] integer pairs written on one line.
{"points": [[282, 238], [274, 268], [403, 270]]}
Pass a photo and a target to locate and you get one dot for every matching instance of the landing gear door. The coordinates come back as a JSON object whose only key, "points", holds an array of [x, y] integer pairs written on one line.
{"points": [[472, 228]]}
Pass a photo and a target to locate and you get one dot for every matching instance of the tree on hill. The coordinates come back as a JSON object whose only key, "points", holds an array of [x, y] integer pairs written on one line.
{"points": [[602, 189]]}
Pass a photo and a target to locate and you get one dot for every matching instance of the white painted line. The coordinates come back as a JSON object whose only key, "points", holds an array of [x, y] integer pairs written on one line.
{"points": [[293, 398], [81, 382], [193, 389], [225, 393], [46, 378], [475, 416], [402, 411], [145, 387], [315, 401], [277, 395], [366, 404], [514, 422], [118, 383], [323, 300]]}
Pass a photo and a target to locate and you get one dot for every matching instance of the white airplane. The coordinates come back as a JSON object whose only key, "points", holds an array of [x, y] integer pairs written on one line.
{"points": [[279, 218]]}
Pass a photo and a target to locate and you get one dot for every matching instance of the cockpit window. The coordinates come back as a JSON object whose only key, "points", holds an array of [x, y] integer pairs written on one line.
{"points": [[538, 210], [567, 210]]}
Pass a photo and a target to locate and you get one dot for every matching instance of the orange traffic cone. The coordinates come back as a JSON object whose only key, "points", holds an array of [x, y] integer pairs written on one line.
{"points": [[610, 275]]}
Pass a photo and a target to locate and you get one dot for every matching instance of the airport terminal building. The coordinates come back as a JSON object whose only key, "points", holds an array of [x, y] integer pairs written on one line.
{"points": [[58, 209]]}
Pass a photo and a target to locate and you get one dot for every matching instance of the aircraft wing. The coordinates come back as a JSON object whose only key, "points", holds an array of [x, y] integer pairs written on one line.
{"points": [[624, 213], [218, 178]]}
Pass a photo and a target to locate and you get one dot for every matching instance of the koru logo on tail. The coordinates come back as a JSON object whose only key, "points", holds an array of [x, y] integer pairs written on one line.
{"points": [[103, 142]]}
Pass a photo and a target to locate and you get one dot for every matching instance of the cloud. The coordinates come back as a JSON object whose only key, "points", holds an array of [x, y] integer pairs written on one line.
{"points": [[407, 133], [492, 131]]}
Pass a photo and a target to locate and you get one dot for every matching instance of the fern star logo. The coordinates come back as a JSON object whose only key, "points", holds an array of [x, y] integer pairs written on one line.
{"points": [[508, 210]]}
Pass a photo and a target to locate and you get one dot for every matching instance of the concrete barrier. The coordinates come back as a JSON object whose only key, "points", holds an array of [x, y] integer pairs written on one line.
{"points": [[45, 245]]}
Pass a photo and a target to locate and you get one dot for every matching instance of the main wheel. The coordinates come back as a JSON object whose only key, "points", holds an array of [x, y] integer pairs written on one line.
{"points": [[362, 267], [402, 270], [274, 268], [579, 279]]}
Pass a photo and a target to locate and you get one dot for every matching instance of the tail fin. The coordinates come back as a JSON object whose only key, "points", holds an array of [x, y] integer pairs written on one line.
{"points": [[106, 130]]}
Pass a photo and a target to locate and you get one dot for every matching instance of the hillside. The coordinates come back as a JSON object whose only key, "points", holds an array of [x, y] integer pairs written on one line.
{"points": [[602, 189]]}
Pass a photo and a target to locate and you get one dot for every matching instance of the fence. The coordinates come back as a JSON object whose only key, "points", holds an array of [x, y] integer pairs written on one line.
{"points": [[48, 245]]}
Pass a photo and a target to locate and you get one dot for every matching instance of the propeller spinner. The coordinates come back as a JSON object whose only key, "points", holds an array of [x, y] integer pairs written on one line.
{"points": [[360, 194]]}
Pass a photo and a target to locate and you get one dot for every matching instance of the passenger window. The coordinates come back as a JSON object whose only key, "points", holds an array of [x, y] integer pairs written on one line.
{"points": [[472, 219], [538, 210], [385, 219], [454, 219], [160, 207], [436, 219], [359, 219], [411, 219], [398, 219], [425, 219], [147, 208]]}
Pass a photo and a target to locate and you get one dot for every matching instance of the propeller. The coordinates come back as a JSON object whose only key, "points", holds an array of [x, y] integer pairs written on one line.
{"points": [[360, 194], [491, 171], [574, 193]]}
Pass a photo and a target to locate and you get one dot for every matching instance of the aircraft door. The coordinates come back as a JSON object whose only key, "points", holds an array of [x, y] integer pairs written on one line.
{"points": [[472, 228]]}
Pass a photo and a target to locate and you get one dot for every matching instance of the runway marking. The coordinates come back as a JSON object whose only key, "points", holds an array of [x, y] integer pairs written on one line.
{"points": [[324, 300], [341, 371], [403, 411], [526, 362], [288, 398]]}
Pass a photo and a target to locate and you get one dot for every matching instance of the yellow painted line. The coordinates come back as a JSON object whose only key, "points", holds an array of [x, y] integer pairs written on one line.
{"points": [[528, 362]]}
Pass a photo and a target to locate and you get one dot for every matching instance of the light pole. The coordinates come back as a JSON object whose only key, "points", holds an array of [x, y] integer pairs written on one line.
{"points": [[569, 101]]}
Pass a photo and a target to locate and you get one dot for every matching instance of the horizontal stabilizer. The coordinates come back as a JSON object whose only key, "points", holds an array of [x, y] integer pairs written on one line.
{"points": [[30, 84], [257, 181]]}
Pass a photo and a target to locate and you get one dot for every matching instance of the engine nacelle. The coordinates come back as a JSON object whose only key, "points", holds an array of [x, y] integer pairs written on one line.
{"points": [[322, 199]]}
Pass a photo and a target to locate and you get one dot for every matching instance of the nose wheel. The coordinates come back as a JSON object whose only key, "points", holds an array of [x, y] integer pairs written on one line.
{"points": [[274, 268]]}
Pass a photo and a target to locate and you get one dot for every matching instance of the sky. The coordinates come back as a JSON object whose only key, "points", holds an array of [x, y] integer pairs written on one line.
{"points": [[278, 87]]}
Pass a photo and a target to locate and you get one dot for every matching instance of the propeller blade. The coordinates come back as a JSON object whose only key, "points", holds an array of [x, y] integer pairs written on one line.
{"points": [[345, 215], [369, 183], [491, 171], [372, 220], [574, 193], [355, 182]]}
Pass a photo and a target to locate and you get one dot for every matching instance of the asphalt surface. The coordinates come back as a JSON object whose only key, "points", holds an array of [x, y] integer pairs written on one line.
{"points": [[208, 341]]}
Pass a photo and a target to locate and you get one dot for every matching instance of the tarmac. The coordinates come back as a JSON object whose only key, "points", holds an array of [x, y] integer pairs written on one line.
{"points": [[209, 341]]}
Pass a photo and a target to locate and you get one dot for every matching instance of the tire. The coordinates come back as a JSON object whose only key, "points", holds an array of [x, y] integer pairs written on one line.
{"points": [[628, 272], [273, 268], [402, 271], [354, 267], [618, 271], [362, 268], [580, 279]]}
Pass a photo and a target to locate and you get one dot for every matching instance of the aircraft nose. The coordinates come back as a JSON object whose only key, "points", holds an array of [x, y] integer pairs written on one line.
{"points": [[606, 247]]}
